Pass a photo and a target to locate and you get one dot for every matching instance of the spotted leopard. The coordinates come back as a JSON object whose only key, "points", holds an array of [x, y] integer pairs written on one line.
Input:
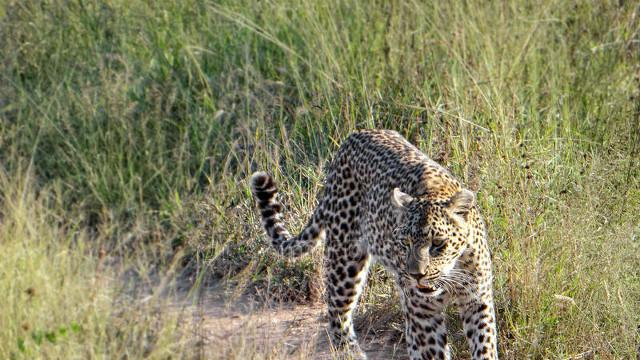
{"points": [[384, 200]]}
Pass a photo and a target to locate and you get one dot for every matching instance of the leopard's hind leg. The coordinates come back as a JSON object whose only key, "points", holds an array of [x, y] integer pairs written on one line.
{"points": [[346, 274], [346, 268]]}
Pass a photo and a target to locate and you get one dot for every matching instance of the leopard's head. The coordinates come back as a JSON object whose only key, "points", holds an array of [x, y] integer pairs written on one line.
{"points": [[434, 234]]}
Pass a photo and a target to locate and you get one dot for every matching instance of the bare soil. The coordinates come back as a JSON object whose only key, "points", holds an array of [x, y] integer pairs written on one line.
{"points": [[246, 327]]}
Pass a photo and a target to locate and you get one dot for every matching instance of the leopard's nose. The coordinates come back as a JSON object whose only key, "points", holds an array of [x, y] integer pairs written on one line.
{"points": [[416, 270], [416, 276], [415, 267]]}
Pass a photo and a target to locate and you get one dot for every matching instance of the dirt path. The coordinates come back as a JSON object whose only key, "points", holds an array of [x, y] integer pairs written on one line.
{"points": [[249, 329]]}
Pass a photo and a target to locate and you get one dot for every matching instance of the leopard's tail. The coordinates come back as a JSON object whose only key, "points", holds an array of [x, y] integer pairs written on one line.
{"points": [[264, 190]]}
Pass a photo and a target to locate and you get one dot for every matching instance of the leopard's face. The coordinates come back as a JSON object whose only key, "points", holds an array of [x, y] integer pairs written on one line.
{"points": [[433, 236]]}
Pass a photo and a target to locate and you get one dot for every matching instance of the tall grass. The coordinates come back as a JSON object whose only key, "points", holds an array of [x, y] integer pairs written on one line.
{"points": [[145, 119], [58, 293]]}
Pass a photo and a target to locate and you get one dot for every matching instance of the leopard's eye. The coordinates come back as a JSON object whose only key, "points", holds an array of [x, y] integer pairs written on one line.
{"points": [[438, 242]]}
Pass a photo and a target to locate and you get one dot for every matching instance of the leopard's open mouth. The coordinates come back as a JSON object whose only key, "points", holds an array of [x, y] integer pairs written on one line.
{"points": [[426, 287]]}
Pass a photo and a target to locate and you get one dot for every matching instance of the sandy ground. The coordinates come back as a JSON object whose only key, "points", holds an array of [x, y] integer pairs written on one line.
{"points": [[247, 328]]}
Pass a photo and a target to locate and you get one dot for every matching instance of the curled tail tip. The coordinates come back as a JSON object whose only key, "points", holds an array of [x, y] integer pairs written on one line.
{"points": [[260, 180], [263, 188]]}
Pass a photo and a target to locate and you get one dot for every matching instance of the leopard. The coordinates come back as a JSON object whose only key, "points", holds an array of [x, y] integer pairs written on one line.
{"points": [[384, 201]]}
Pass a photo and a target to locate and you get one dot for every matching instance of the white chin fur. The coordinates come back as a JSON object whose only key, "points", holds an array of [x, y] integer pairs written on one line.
{"points": [[437, 292]]}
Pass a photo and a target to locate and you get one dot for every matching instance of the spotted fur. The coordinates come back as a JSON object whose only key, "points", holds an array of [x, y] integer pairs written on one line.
{"points": [[384, 199]]}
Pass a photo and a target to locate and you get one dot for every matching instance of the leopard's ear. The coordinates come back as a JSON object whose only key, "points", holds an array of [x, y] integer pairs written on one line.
{"points": [[400, 199], [460, 204]]}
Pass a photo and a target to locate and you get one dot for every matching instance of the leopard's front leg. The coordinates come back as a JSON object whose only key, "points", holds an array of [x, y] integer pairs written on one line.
{"points": [[479, 323], [425, 329]]}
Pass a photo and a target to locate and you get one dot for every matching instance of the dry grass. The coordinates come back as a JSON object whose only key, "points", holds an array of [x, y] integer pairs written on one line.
{"points": [[63, 298]]}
